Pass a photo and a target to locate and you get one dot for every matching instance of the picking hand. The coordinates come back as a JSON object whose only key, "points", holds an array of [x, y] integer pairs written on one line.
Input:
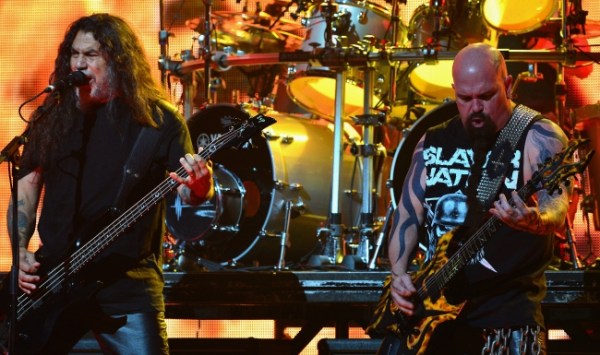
{"points": [[28, 266], [199, 180]]}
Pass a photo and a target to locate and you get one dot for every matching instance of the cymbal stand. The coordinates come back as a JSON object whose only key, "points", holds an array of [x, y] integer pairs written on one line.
{"points": [[284, 237], [367, 150], [206, 49], [332, 233], [560, 95], [571, 244], [395, 23], [187, 83]]}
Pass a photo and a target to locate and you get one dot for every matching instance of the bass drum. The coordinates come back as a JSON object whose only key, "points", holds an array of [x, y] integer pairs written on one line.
{"points": [[404, 152], [291, 161]]}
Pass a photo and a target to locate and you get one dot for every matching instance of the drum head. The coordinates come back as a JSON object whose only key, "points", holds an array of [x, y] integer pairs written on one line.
{"points": [[315, 91], [250, 166], [433, 81], [517, 16], [222, 212], [404, 152]]}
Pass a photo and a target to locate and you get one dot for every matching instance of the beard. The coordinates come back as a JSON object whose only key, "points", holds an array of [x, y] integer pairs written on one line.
{"points": [[482, 138], [98, 93]]}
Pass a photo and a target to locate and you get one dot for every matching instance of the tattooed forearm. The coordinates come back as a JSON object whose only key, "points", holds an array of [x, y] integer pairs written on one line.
{"points": [[25, 223], [407, 216]]}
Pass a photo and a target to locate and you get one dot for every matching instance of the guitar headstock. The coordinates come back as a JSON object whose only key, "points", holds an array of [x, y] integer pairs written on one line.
{"points": [[558, 169], [248, 128], [238, 133]]}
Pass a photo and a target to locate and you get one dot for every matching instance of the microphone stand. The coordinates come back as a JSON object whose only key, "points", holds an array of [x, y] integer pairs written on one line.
{"points": [[206, 49], [163, 40], [10, 153]]}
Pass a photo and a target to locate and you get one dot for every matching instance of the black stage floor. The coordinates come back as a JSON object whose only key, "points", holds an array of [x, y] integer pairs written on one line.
{"points": [[316, 299]]}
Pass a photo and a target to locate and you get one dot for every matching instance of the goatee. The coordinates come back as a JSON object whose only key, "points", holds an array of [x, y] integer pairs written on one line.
{"points": [[482, 138]]}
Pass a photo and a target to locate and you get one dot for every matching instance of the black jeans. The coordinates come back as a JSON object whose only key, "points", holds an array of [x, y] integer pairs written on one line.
{"points": [[136, 333]]}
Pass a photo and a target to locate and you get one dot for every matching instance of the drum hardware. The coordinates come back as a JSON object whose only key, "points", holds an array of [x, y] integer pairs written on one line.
{"points": [[206, 50], [163, 41], [530, 76], [284, 237], [571, 244], [367, 150], [383, 233], [395, 22], [333, 231]]}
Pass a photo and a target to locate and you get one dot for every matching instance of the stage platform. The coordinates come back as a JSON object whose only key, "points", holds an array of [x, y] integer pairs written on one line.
{"points": [[313, 300], [317, 299]]}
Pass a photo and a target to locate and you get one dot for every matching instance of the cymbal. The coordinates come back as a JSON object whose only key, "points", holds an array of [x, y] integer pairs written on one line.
{"points": [[256, 17], [235, 29], [261, 19]]}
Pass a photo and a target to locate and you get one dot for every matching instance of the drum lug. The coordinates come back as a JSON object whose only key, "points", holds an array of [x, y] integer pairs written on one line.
{"points": [[295, 187], [233, 229], [287, 139], [270, 135], [280, 185]]}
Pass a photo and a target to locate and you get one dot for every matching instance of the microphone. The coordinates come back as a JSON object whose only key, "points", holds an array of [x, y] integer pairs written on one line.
{"points": [[76, 78]]}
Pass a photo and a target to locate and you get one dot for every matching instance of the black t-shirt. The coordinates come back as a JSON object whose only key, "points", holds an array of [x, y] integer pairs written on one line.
{"points": [[504, 284], [81, 185]]}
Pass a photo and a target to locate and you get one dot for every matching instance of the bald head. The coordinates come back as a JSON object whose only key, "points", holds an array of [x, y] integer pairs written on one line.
{"points": [[478, 59], [482, 87]]}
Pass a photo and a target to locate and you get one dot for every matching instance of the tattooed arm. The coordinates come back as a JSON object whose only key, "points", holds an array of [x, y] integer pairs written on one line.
{"points": [[29, 188], [545, 213], [404, 237]]}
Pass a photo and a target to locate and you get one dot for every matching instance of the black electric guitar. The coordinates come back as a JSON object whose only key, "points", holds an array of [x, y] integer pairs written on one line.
{"points": [[63, 282], [432, 306]]}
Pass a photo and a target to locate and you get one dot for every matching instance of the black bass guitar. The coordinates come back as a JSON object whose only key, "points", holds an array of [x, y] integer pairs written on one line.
{"points": [[62, 283], [432, 306]]}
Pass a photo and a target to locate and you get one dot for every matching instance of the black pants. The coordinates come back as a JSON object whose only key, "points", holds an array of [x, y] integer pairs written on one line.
{"points": [[136, 333]]}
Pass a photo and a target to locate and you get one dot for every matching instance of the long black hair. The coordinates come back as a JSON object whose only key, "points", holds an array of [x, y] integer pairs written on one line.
{"points": [[127, 65]]}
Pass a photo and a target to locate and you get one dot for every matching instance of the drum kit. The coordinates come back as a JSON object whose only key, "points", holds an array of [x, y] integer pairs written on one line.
{"points": [[358, 71]]}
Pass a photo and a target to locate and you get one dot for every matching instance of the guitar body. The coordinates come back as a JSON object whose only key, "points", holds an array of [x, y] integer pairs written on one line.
{"points": [[34, 332], [434, 308], [41, 312]]}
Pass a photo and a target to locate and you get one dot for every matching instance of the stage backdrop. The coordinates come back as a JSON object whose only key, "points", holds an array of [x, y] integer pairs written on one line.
{"points": [[30, 31]]}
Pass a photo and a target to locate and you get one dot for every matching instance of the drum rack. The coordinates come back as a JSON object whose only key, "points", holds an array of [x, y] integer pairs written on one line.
{"points": [[338, 58]]}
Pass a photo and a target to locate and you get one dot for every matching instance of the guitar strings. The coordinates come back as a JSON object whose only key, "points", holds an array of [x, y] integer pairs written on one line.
{"points": [[83, 256]]}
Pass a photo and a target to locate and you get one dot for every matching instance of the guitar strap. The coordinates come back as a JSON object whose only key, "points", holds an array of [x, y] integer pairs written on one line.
{"points": [[497, 166]]}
